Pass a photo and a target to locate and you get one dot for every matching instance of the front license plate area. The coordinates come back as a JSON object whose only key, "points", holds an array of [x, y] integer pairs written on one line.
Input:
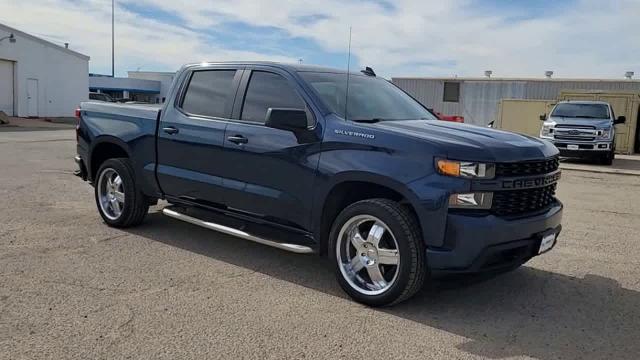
{"points": [[547, 242], [573, 147]]}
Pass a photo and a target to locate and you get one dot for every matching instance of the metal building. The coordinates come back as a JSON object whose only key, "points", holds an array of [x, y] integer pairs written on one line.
{"points": [[39, 78], [477, 98], [165, 79], [125, 88], [147, 86]]}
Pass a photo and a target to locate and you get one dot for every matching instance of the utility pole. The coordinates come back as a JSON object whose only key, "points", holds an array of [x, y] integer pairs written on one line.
{"points": [[113, 41]]}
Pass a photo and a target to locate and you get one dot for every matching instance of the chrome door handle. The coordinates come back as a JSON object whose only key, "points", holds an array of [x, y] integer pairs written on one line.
{"points": [[238, 139], [170, 130]]}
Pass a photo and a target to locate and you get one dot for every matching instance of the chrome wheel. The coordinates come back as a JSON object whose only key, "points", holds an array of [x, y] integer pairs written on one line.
{"points": [[368, 255], [111, 193]]}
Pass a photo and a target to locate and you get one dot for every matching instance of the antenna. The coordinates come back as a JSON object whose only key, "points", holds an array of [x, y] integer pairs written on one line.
{"points": [[346, 96]]}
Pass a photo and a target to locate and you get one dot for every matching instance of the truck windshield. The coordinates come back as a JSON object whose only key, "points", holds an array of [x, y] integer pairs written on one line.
{"points": [[588, 111], [371, 99]]}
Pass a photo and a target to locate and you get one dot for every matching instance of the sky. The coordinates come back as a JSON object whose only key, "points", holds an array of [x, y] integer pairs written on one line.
{"points": [[519, 38]]}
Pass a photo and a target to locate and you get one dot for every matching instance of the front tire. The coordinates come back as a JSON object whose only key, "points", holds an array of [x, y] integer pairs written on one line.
{"points": [[608, 159], [119, 202], [378, 252]]}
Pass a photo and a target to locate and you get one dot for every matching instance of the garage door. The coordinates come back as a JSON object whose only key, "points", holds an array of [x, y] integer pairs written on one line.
{"points": [[6, 87]]}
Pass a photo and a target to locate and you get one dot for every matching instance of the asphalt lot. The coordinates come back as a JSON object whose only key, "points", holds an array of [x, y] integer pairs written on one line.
{"points": [[71, 287]]}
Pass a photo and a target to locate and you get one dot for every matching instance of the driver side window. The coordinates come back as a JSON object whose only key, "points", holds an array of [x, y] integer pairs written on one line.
{"points": [[268, 90]]}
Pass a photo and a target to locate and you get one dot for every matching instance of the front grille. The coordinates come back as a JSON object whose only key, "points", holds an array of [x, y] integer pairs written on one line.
{"points": [[574, 138], [560, 126], [526, 168], [517, 202]]}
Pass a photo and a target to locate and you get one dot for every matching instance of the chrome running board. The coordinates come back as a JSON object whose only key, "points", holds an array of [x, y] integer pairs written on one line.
{"points": [[300, 249]]}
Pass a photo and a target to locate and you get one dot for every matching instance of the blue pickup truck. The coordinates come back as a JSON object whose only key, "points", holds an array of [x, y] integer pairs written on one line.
{"points": [[310, 160]]}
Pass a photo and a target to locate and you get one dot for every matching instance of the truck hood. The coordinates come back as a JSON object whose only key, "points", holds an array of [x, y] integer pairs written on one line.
{"points": [[598, 123], [473, 143]]}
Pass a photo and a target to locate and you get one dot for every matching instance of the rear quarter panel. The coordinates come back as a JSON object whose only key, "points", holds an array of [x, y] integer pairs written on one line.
{"points": [[131, 128]]}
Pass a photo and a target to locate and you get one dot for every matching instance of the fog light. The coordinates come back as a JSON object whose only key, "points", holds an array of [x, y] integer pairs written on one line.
{"points": [[480, 200]]}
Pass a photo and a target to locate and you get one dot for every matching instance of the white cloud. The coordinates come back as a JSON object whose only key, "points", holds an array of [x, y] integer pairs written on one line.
{"points": [[140, 41], [418, 37]]}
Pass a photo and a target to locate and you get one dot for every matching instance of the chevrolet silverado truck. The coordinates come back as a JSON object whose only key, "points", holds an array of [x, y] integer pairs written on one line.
{"points": [[582, 129], [290, 156]]}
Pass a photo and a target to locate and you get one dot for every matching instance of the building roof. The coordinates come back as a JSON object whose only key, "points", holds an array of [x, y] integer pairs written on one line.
{"points": [[454, 78], [124, 84], [19, 33]]}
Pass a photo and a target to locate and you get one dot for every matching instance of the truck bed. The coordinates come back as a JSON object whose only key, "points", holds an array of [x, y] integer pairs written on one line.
{"points": [[143, 111]]}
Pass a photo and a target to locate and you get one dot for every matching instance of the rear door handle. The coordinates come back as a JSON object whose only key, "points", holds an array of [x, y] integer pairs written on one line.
{"points": [[238, 139], [170, 130]]}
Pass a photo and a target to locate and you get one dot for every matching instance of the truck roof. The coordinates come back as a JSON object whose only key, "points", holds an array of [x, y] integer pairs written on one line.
{"points": [[286, 66], [584, 102]]}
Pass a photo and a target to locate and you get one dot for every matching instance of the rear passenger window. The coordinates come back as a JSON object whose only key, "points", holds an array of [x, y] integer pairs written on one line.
{"points": [[209, 93], [268, 90]]}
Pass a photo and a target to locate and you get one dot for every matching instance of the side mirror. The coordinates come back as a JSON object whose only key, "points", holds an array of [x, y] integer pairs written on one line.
{"points": [[620, 120], [543, 117], [287, 119]]}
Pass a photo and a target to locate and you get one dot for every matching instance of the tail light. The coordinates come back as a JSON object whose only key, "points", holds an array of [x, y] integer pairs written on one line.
{"points": [[78, 117]]}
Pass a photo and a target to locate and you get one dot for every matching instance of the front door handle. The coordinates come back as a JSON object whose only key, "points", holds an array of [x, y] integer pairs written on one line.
{"points": [[170, 130], [238, 139]]}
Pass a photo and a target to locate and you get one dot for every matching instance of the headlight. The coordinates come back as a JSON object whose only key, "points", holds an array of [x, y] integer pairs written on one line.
{"points": [[605, 134], [479, 200], [547, 129], [465, 169]]}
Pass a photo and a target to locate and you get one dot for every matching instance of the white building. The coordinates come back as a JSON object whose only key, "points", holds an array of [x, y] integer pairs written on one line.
{"points": [[125, 88], [147, 86], [39, 78], [165, 79]]}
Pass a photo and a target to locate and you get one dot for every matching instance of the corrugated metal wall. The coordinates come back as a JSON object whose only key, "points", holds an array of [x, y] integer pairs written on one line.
{"points": [[479, 97], [430, 93]]}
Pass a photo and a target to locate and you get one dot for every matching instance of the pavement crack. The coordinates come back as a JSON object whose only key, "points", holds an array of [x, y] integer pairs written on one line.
{"points": [[109, 238]]}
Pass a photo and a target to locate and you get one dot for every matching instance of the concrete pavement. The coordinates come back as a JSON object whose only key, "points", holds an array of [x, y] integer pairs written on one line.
{"points": [[71, 287]]}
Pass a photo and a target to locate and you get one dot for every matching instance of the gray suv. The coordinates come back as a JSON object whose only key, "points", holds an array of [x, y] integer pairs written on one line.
{"points": [[582, 129]]}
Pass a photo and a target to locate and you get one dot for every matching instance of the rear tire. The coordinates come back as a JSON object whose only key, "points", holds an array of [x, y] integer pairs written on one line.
{"points": [[119, 201], [378, 251]]}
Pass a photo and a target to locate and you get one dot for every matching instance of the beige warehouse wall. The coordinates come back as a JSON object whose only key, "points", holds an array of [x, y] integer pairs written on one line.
{"points": [[522, 116]]}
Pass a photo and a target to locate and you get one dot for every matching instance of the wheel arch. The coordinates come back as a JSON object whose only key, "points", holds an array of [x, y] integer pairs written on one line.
{"points": [[104, 148], [348, 188]]}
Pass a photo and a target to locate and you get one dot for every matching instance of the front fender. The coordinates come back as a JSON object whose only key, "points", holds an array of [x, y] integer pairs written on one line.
{"points": [[428, 202]]}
